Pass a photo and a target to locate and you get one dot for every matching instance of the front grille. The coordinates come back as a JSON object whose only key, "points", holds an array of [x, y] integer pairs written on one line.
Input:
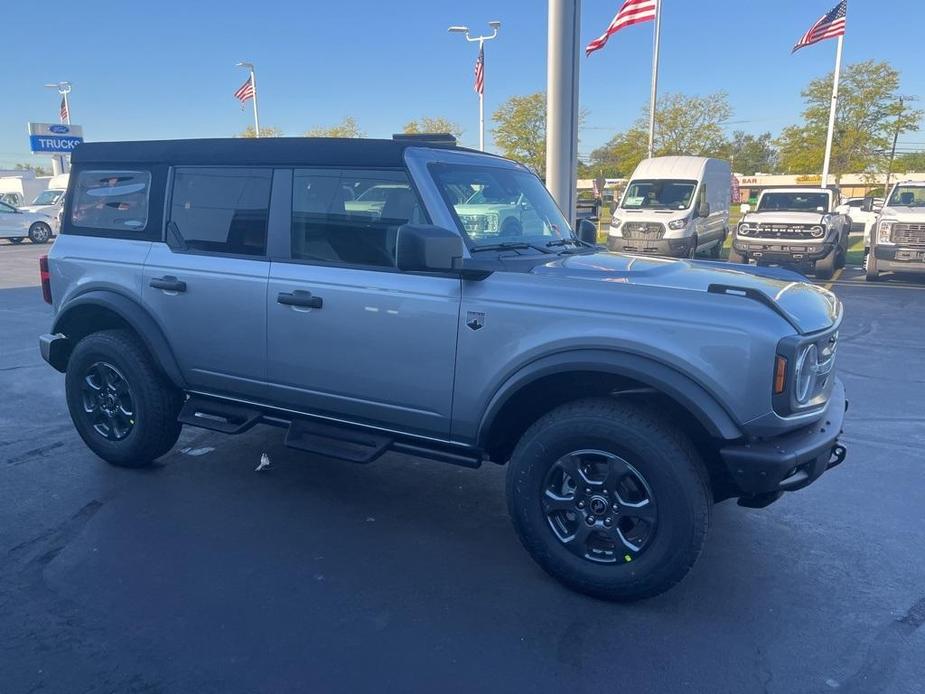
{"points": [[909, 234], [785, 231], [646, 231]]}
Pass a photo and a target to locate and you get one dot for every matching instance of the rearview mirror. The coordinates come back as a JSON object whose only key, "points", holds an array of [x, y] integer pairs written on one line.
{"points": [[428, 248], [587, 231], [745, 208]]}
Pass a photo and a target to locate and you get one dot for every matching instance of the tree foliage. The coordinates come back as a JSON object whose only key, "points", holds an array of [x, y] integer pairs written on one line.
{"points": [[250, 131], [869, 112], [910, 161], [684, 125], [37, 170], [520, 130], [437, 124], [751, 154], [348, 127]]}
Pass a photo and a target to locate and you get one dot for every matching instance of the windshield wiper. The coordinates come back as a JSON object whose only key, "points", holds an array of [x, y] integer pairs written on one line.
{"points": [[563, 242], [511, 246]]}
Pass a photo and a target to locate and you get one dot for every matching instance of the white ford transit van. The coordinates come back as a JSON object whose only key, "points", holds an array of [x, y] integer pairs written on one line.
{"points": [[674, 206]]}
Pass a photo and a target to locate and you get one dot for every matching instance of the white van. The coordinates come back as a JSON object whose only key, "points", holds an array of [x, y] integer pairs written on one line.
{"points": [[674, 206]]}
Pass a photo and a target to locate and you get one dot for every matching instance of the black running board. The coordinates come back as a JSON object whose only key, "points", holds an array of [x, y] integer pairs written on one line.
{"points": [[353, 445], [217, 415]]}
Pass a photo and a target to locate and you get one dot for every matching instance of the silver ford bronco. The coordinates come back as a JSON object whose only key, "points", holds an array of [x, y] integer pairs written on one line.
{"points": [[228, 283]]}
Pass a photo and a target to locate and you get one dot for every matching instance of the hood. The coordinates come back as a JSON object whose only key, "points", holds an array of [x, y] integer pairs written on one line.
{"points": [[772, 217], [38, 209], [904, 214], [807, 307]]}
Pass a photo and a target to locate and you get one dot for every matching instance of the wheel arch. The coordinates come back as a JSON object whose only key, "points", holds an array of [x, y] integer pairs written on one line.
{"points": [[104, 310], [553, 380]]}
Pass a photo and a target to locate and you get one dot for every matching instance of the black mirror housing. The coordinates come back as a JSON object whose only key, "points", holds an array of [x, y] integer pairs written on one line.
{"points": [[587, 231], [428, 248], [704, 210], [867, 205]]}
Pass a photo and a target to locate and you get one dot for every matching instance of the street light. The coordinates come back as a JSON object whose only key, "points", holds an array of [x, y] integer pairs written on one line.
{"points": [[250, 67], [495, 25], [64, 88]]}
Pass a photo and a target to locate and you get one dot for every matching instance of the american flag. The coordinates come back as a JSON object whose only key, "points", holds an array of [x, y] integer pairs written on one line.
{"points": [[62, 112], [245, 92], [827, 27], [632, 12], [480, 72]]}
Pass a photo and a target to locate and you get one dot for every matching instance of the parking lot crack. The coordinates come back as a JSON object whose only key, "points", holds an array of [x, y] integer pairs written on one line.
{"points": [[34, 453], [42, 549]]}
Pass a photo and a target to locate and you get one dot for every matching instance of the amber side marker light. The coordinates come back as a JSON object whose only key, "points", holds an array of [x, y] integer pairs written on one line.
{"points": [[780, 375], [46, 279]]}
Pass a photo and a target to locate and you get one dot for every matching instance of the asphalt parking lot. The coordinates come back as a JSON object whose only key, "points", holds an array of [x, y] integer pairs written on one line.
{"points": [[200, 575]]}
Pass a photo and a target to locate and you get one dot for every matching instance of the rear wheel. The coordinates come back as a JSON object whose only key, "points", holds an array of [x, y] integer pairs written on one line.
{"points": [[609, 498], [122, 407], [16, 239], [39, 232]]}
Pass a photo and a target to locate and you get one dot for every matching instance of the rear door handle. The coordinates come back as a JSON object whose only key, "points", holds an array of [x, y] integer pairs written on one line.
{"points": [[300, 298], [168, 284]]}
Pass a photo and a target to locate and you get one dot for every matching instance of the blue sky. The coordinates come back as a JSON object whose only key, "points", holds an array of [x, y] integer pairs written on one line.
{"points": [[145, 71]]}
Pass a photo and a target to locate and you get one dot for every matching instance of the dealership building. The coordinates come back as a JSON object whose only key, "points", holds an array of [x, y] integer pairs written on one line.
{"points": [[850, 185]]}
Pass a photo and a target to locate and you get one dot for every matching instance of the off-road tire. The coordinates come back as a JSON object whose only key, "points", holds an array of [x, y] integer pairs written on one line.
{"points": [[824, 268], [736, 257], [156, 403], [40, 233], [16, 239], [658, 450]]}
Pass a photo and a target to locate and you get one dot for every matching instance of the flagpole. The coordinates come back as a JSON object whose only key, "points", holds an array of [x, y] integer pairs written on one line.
{"points": [[482, 97], [653, 97], [832, 110], [254, 87]]}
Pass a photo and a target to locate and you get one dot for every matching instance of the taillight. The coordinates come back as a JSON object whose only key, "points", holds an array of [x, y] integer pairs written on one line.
{"points": [[46, 279]]}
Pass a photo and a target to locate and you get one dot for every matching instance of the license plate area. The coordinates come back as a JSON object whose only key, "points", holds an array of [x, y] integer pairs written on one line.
{"points": [[910, 255]]}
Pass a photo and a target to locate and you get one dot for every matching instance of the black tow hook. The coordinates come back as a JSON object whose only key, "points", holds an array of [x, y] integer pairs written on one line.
{"points": [[837, 457]]}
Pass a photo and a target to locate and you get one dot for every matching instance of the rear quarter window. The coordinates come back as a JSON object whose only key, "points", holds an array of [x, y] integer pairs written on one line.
{"points": [[111, 200]]}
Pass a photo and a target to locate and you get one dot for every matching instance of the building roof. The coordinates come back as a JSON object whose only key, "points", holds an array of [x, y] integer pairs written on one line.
{"points": [[298, 151]]}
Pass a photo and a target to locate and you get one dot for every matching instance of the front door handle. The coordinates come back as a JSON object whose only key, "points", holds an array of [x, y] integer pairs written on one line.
{"points": [[300, 298], [168, 284]]}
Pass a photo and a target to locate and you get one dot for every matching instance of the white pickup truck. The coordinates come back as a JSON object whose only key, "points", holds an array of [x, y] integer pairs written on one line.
{"points": [[898, 241], [794, 226]]}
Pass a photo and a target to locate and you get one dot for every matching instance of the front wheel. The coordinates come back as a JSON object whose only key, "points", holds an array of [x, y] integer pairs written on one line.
{"points": [[16, 239], [872, 274], [609, 498], [122, 407], [39, 233], [825, 267], [736, 257]]}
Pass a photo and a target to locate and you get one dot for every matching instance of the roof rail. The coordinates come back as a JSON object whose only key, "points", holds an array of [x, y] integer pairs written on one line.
{"points": [[426, 138]]}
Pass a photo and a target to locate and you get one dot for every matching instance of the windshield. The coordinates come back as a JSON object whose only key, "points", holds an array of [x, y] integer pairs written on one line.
{"points": [[498, 205], [908, 196], [659, 195], [794, 202], [49, 197]]}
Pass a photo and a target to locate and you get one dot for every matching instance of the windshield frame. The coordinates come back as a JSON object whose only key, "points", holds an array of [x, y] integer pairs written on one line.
{"points": [[473, 244], [695, 189]]}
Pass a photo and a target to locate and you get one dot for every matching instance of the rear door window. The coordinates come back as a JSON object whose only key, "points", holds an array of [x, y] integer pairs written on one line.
{"points": [[111, 200]]}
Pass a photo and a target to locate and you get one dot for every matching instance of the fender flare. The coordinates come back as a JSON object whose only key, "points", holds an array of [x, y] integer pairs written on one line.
{"points": [[136, 317], [693, 397]]}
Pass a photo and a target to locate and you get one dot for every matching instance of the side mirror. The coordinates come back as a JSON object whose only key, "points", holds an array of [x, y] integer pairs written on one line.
{"points": [[613, 206], [745, 208], [704, 210], [867, 205], [587, 231], [428, 248]]}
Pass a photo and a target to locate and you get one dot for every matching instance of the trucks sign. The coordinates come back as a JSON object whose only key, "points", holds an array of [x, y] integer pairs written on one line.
{"points": [[54, 138]]}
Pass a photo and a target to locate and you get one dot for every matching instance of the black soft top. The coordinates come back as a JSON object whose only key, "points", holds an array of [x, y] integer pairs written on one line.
{"points": [[268, 151]]}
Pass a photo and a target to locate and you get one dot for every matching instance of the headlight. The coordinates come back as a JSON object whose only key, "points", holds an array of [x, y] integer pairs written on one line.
{"points": [[678, 223], [883, 232], [744, 229], [615, 223], [806, 372], [817, 232]]}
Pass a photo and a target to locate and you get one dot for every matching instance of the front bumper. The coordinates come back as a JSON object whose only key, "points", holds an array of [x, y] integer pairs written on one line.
{"points": [[768, 467], [900, 258], [780, 251], [673, 248]]}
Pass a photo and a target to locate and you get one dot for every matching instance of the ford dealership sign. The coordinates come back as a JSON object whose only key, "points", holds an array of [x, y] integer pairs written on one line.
{"points": [[54, 138]]}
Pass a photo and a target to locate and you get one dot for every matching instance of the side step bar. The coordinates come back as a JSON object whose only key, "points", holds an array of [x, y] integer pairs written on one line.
{"points": [[352, 445], [217, 415]]}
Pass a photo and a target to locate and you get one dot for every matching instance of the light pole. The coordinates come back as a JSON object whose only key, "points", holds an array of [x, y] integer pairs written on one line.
{"points": [[250, 67], [58, 165], [495, 25]]}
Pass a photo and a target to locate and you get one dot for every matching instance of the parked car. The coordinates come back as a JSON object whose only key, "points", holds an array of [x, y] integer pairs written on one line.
{"points": [[16, 225], [674, 206], [899, 241], [50, 203], [862, 220], [798, 226], [625, 394]]}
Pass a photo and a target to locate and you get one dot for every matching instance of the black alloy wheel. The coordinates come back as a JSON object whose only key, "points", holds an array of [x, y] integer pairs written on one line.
{"points": [[108, 402]]}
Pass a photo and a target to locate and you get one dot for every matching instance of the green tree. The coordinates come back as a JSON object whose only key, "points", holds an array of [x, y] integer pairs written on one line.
{"points": [[520, 130], [911, 161], [750, 154], [869, 113], [37, 170], [348, 127], [250, 131], [437, 124], [684, 125]]}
